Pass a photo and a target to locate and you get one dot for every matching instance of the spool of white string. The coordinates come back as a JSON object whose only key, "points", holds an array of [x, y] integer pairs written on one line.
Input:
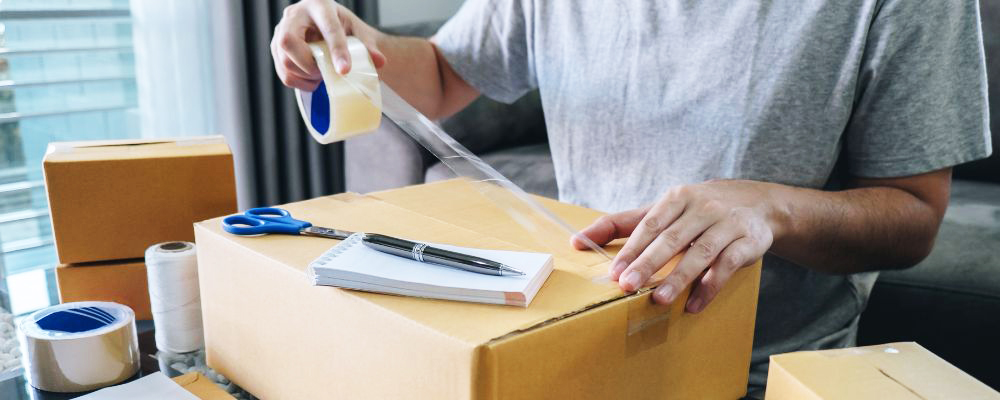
{"points": [[174, 297]]}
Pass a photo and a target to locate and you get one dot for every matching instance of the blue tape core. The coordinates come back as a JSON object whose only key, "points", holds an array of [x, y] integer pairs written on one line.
{"points": [[319, 112], [76, 320]]}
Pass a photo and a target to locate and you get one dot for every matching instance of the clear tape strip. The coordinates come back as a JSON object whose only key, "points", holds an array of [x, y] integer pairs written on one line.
{"points": [[521, 207], [463, 163]]}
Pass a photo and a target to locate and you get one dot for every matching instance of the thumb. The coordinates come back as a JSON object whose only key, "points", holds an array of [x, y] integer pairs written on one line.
{"points": [[610, 227], [378, 59], [368, 37]]}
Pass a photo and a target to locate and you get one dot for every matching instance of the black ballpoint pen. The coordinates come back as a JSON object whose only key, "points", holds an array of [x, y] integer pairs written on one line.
{"points": [[433, 255]]}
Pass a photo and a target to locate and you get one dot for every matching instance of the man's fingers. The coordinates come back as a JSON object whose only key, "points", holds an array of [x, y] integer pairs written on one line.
{"points": [[283, 60], [292, 78], [378, 59], [697, 259], [299, 58], [658, 218], [738, 254], [298, 82], [324, 15], [667, 244], [610, 227]]}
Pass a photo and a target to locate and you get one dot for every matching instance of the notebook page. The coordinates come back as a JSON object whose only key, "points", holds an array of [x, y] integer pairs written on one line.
{"points": [[353, 256]]}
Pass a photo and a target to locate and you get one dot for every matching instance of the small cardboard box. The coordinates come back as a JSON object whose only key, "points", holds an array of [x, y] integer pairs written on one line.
{"points": [[111, 200], [277, 336], [883, 372], [122, 282]]}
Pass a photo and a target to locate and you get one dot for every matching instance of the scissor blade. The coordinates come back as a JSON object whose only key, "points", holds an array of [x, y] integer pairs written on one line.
{"points": [[326, 232]]}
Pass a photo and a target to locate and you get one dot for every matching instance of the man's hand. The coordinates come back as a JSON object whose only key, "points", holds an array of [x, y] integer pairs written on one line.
{"points": [[311, 20], [417, 72], [878, 223], [726, 224]]}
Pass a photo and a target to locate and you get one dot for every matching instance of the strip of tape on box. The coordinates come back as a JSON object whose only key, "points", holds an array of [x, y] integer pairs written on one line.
{"points": [[352, 104]]}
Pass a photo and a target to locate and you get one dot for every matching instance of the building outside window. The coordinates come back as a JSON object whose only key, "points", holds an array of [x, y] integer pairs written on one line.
{"points": [[67, 72]]}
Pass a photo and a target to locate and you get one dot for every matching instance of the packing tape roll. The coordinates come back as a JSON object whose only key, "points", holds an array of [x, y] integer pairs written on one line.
{"points": [[174, 297], [80, 346], [353, 112], [349, 105]]}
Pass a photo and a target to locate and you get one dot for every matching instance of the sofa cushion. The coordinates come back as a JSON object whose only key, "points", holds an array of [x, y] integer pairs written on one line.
{"points": [[950, 302], [966, 255], [529, 167]]}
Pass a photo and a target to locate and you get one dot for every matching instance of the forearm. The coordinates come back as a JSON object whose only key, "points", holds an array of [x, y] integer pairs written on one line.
{"points": [[854, 230], [417, 72]]}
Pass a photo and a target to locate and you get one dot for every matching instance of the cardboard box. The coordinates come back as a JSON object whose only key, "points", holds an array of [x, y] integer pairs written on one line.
{"points": [[202, 387], [580, 338], [884, 372], [118, 281], [111, 200]]}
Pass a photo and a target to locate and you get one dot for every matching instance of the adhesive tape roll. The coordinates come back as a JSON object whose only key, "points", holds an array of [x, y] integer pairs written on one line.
{"points": [[75, 347], [342, 105]]}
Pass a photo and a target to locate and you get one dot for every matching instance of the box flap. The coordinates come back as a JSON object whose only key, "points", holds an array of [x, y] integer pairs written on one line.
{"points": [[569, 289], [890, 371], [128, 149]]}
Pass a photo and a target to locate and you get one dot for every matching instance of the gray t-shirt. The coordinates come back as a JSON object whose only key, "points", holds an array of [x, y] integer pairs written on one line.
{"points": [[640, 96]]}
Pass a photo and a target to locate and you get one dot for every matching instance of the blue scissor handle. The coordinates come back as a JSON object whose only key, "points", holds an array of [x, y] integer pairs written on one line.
{"points": [[261, 220]]}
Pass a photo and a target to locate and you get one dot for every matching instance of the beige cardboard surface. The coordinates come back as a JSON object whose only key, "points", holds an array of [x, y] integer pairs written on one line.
{"points": [[579, 336], [201, 387], [111, 200], [122, 282], [883, 372], [478, 213]]}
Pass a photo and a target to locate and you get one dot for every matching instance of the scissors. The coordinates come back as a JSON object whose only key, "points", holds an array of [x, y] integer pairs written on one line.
{"points": [[261, 220]]}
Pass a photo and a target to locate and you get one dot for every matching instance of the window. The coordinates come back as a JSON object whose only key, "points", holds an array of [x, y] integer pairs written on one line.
{"points": [[67, 72]]}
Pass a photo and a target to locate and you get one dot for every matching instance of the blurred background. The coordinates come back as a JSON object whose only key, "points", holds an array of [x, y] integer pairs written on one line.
{"points": [[109, 69], [112, 69]]}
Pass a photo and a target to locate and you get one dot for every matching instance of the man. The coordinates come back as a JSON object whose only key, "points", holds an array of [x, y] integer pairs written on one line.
{"points": [[816, 134]]}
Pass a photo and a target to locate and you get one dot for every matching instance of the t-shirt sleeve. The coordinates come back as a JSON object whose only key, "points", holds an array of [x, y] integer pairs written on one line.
{"points": [[488, 43], [921, 100]]}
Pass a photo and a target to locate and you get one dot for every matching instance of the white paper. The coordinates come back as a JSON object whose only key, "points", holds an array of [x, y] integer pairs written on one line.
{"points": [[150, 387], [353, 265]]}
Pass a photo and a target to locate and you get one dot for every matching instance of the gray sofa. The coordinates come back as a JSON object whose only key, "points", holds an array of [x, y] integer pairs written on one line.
{"points": [[950, 303]]}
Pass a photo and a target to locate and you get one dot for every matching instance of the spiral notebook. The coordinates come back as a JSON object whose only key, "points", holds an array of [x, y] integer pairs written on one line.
{"points": [[352, 265]]}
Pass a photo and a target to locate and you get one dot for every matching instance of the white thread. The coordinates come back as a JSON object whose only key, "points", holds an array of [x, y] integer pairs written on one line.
{"points": [[174, 297]]}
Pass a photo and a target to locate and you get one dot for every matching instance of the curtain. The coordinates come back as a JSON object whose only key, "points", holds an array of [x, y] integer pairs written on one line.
{"points": [[276, 159], [173, 81]]}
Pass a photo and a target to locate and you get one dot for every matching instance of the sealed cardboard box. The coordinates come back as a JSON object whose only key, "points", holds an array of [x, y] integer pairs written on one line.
{"points": [[112, 199], [581, 337], [884, 372], [122, 282]]}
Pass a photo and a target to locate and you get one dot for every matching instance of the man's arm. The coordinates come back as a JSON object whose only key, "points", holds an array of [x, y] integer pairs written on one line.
{"points": [[885, 223], [727, 225], [411, 66]]}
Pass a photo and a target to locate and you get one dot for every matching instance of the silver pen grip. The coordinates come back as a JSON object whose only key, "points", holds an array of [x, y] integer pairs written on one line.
{"points": [[424, 253]]}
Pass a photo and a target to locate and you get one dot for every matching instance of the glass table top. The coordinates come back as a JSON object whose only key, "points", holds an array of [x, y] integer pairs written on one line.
{"points": [[15, 386]]}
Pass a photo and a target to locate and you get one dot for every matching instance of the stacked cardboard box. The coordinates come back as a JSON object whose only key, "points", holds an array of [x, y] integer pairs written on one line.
{"points": [[110, 200], [580, 338]]}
